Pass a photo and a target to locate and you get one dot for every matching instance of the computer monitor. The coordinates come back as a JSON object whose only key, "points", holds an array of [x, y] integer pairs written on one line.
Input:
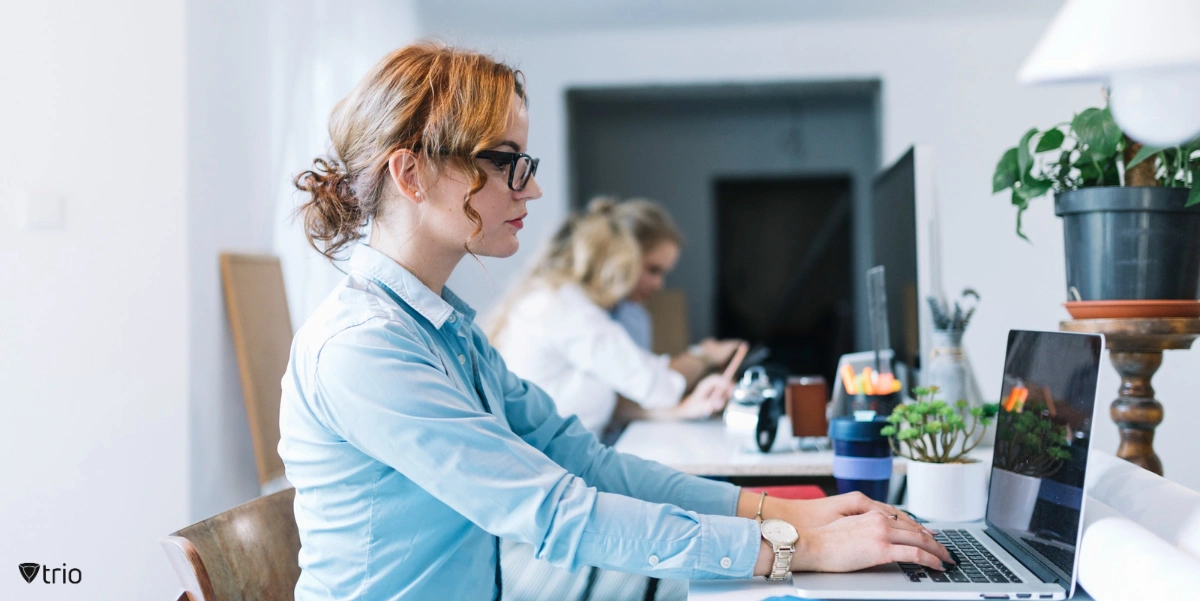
{"points": [[900, 195]]}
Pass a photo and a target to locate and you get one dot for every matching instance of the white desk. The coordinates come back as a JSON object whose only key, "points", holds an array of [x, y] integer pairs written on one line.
{"points": [[706, 449], [759, 589]]}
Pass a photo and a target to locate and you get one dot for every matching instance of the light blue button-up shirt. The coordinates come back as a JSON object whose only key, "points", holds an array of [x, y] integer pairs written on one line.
{"points": [[411, 447]]}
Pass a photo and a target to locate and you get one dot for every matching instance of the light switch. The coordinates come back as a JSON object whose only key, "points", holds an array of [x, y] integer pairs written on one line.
{"points": [[44, 211]]}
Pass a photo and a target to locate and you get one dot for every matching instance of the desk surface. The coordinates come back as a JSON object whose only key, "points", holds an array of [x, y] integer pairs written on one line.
{"points": [[706, 448], [759, 589]]}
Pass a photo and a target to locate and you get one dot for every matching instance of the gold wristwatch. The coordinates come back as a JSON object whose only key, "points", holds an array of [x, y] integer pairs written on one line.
{"points": [[782, 537]]}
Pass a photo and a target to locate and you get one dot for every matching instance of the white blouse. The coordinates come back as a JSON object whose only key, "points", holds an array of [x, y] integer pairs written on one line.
{"points": [[575, 351]]}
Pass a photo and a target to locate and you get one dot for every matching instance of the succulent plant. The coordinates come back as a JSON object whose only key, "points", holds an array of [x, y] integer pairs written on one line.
{"points": [[930, 429], [1031, 443]]}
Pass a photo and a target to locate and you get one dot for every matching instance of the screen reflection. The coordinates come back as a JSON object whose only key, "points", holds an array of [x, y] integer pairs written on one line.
{"points": [[1042, 435]]}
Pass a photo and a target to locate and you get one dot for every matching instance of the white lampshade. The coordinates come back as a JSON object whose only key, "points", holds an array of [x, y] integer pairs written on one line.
{"points": [[1147, 51]]}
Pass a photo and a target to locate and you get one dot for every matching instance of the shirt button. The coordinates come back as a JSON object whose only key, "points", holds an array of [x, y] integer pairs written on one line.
{"points": [[726, 562], [453, 318], [462, 359], [653, 560]]}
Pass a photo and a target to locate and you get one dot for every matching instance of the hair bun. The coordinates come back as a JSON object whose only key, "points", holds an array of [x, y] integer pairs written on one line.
{"points": [[332, 215], [602, 205]]}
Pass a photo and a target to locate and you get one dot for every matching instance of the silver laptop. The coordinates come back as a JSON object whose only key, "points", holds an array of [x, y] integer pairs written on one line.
{"points": [[1026, 546]]}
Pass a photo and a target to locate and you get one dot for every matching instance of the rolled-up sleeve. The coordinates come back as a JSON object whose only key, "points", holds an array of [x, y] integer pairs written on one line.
{"points": [[386, 392]]}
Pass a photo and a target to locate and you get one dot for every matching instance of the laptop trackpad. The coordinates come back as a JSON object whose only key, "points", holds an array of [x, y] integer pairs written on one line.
{"points": [[887, 577]]}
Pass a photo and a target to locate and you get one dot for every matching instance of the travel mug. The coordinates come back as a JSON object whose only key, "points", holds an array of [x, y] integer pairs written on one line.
{"points": [[862, 457]]}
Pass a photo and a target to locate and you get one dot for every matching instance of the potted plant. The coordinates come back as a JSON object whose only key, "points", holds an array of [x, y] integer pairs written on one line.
{"points": [[1031, 448], [944, 484], [1131, 214]]}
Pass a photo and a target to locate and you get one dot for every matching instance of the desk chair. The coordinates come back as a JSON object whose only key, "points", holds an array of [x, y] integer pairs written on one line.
{"points": [[668, 320], [262, 335], [249, 553]]}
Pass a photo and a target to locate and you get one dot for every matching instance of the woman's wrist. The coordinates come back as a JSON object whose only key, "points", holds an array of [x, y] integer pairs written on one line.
{"points": [[802, 555], [766, 558], [772, 507]]}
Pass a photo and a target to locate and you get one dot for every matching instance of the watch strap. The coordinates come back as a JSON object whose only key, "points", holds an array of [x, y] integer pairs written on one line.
{"points": [[783, 563]]}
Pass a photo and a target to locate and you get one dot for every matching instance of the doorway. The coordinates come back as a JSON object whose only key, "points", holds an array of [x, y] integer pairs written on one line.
{"points": [[688, 147]]}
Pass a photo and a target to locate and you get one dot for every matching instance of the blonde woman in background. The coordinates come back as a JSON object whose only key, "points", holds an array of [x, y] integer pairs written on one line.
{"points": [[557, 330], [660, 242]]}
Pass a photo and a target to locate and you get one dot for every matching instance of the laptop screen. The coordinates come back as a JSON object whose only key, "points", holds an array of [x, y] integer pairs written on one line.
{"points": [[1043, 431]]}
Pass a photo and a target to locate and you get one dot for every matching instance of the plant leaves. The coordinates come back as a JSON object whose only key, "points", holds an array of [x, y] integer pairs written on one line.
{"points": [[1021, 205], [1006, 171], [1033, 188], [1194, 193], [1024, 159], [1051, 140], [1098, 132], [1143, 153], [1089, 173]]}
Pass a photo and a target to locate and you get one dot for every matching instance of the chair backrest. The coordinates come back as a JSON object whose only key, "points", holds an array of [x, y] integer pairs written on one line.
{"points": [[249, 553], [262, 335], [668, 319]]}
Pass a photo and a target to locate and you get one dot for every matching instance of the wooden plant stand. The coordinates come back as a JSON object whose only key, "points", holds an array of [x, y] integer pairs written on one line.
{"points": [[1135, 349]]}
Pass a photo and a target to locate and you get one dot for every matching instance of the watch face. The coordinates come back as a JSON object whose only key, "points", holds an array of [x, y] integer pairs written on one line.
{"points": [[779, 532]]}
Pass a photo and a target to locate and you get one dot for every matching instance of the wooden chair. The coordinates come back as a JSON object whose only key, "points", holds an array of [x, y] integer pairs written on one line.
{"points": [[262, 335], [668, 318], [249, 553]]}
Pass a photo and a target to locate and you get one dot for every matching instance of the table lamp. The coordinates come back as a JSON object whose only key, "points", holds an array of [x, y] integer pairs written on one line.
{"points": [[1146, 51]]}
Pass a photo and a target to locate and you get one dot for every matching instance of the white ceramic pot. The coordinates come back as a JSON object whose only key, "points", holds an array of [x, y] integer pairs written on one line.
{"points": [[1022, 490], [948, 492]]}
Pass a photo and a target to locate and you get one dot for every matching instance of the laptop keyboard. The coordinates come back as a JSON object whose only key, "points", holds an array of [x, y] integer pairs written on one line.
{"points": [[1065, 560], [975, 563]]}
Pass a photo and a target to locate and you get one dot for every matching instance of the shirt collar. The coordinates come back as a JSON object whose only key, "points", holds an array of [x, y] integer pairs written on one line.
{"points": [[402, 283]]}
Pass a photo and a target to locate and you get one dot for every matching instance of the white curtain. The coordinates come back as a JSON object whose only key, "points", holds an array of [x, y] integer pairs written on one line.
{"points": [[319, 50]]}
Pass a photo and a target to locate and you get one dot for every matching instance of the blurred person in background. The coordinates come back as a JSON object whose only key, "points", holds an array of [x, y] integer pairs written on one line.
{"points": [[558, 329]]}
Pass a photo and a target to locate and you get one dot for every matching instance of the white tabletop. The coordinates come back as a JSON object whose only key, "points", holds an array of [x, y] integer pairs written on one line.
{"points": [[706, 448], [758, 589], [754, 589]]}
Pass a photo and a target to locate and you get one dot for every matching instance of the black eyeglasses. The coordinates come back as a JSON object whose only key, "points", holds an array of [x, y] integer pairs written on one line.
{"points": [[521, 166]]}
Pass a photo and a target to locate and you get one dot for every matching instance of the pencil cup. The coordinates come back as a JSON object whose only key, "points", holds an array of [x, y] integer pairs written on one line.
{"points": [[862, 457]]}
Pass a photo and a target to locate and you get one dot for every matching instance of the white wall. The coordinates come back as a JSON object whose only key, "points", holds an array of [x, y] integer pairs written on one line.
{"points": [[93, 316], [228, 209], [947, 82]]}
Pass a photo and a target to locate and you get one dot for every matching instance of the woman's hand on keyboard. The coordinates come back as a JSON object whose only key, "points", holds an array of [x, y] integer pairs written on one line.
{"points": [[862, 541]]}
